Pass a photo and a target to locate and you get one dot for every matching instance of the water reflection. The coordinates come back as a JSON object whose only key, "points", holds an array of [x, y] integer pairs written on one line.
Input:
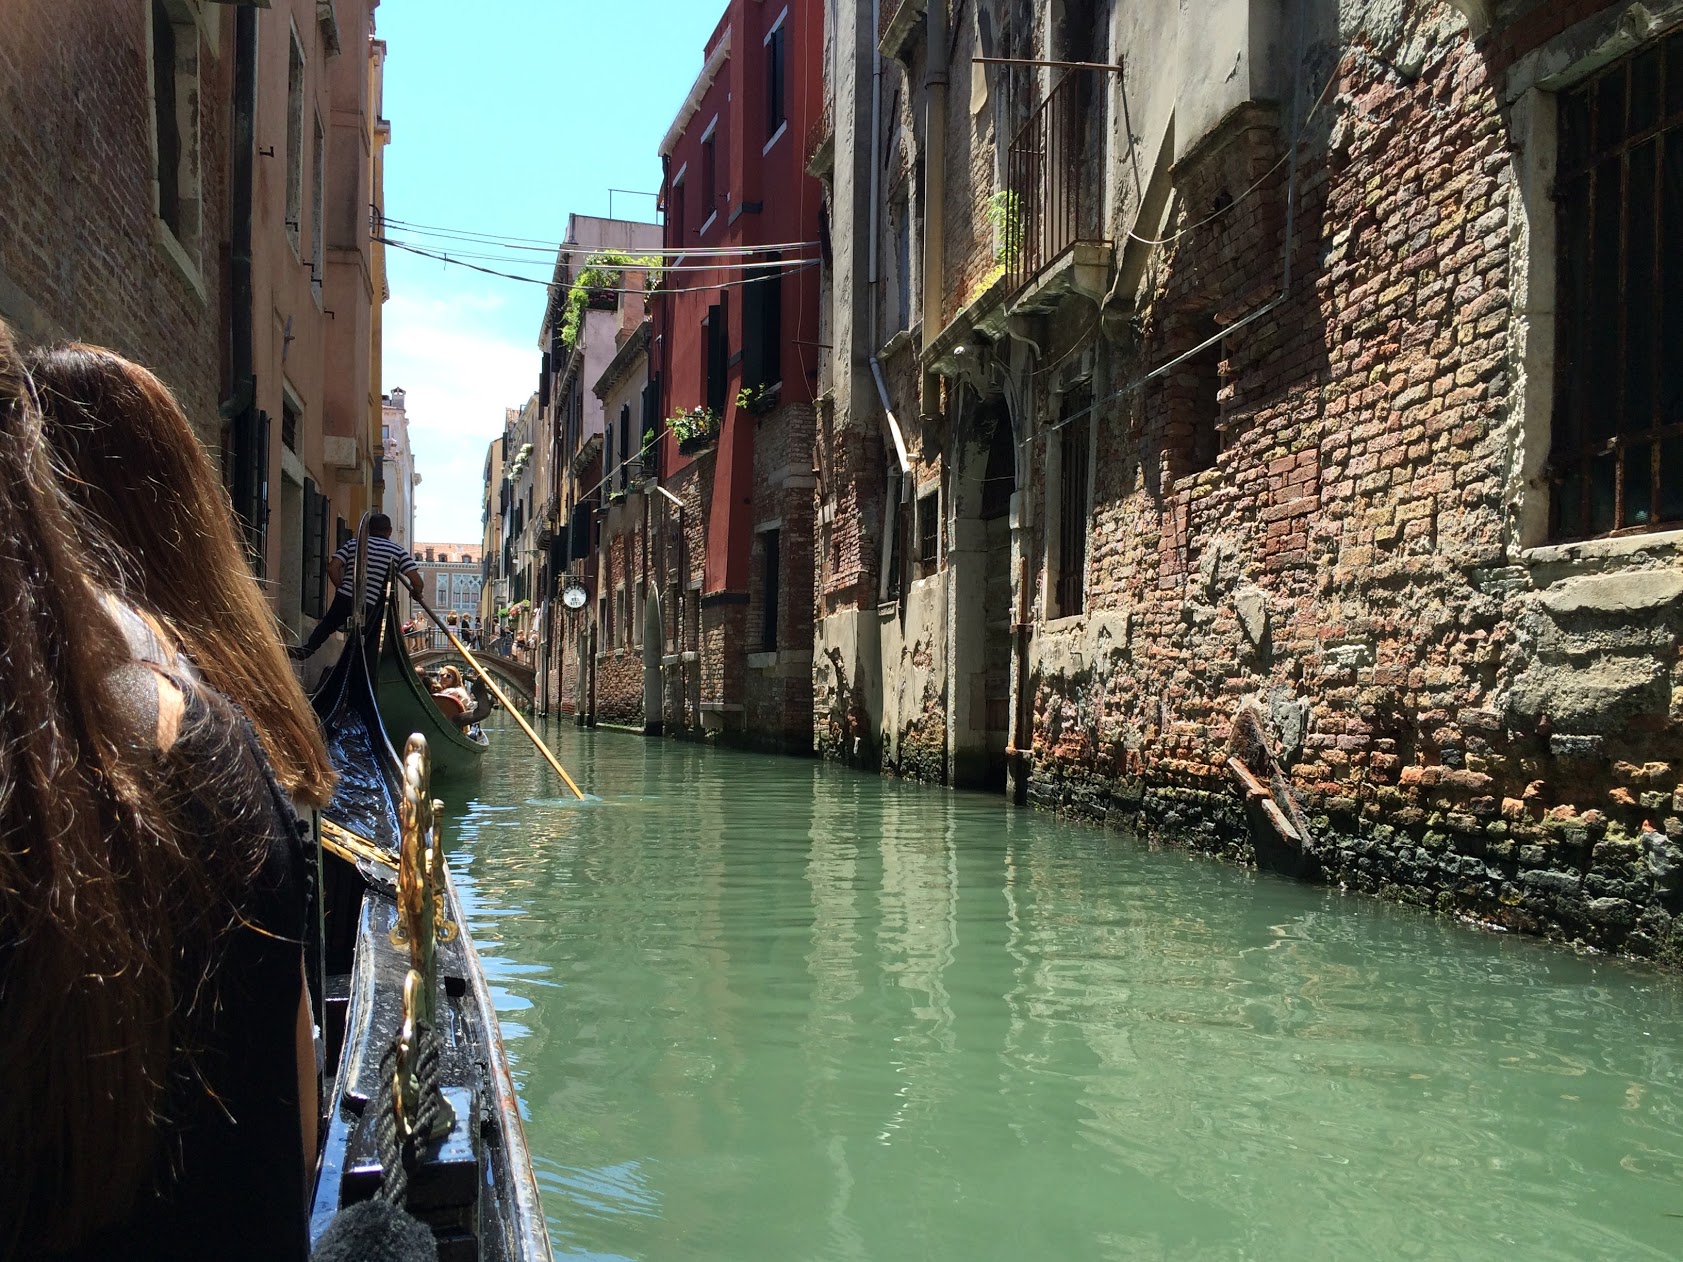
{"points": [[763, 1009]]}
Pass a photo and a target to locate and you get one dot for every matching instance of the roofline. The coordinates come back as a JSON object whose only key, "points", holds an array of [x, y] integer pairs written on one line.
{"points": [[692, 102]]}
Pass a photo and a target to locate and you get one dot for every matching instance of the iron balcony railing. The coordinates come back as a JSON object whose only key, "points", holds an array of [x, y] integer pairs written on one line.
{"points": [[1040, 215]]}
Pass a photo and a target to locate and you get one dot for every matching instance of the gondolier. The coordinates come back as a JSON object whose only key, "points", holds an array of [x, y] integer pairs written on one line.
{"points": [[383, 554]]}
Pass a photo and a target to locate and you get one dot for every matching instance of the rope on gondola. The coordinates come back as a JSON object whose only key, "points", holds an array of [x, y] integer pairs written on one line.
{"points": [[400, 1141]]}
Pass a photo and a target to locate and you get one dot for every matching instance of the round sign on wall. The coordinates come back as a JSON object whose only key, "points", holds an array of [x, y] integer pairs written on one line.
{"points": [[574, 597]]}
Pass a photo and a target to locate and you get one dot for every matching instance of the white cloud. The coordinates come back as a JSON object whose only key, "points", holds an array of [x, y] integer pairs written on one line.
{"points": [[459, 373]]}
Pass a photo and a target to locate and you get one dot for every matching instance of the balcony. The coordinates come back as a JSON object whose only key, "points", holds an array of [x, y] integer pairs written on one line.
{"points": [[1049, 209], [897, 20]]}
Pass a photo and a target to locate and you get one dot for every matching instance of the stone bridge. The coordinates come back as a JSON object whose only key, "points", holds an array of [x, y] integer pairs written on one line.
{"points": [[512, 674]]}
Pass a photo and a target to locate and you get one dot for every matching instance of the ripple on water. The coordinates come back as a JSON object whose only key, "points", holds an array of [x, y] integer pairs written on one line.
{"points": [[764, 1009]]}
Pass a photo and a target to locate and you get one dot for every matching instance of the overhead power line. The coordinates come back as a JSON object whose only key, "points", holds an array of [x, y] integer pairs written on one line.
{"points": [[533, 245], [652, 264], [784, 268]]}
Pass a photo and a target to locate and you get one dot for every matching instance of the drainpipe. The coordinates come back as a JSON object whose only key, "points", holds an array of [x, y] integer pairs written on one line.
{"points": [[934, 167], [871, 277]]}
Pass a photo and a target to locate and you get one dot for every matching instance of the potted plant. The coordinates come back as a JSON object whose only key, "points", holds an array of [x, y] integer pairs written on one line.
{"points": [[756, 400], [695, 429]]}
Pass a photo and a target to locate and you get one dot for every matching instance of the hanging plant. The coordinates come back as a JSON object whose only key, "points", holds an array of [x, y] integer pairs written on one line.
{"points": [[598, 282], [694, 429], [756, 400]]}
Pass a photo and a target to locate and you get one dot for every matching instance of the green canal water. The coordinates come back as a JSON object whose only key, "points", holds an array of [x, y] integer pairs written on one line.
{"points": [[763, 1009]]}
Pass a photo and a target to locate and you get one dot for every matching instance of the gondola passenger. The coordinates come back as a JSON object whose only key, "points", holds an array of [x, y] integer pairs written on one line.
{"points": [[154, 1036]]}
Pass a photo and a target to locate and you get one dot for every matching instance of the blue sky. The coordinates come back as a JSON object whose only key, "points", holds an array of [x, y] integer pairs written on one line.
{"points": [[507, 115]]}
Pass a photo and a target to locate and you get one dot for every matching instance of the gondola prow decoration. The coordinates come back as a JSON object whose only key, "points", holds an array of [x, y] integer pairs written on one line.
{"points": [[419, 1113]]}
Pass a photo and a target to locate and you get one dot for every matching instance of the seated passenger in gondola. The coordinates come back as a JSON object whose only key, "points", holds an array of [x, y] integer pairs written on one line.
{"points": [[455, 701], [159, 1093]]}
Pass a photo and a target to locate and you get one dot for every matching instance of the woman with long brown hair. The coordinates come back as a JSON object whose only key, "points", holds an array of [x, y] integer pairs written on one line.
{"points": [[154, 1038], [138, 470]]}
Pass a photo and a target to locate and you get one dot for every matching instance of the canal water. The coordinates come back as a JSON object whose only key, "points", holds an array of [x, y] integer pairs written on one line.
{"points": [[760, 1008]]}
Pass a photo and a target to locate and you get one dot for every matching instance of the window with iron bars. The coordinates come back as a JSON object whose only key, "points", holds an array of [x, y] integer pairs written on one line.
{"points": [[1616, 463]]}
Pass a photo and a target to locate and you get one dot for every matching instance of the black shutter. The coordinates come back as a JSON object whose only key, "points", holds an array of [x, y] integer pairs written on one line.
{"points": [[315, 546], [718, 356], [251, 483], [762, 325], [624, 446], [578, 546], [543, 383], [772, 540], [651, 427], [772, 323], [341, 533]]}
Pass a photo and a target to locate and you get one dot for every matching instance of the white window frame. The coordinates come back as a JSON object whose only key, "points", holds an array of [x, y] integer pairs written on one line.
{"points": [[183, 247], [1532, 91]]}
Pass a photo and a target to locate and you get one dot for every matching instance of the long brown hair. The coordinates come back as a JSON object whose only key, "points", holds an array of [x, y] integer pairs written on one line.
{"points": [[138, 470], [88, 875]]}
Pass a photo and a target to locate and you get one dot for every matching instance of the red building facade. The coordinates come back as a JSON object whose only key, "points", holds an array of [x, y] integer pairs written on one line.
{"points": [[734, 349]]}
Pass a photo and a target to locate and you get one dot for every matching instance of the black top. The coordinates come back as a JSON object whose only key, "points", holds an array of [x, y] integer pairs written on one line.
{"points": [[230, 1176]]}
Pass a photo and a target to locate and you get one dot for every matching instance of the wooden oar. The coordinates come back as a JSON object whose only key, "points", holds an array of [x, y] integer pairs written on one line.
{"points": [[498, 693]]}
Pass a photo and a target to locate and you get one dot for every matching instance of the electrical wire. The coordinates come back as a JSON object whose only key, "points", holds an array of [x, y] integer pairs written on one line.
{"points": [[647, 264], [531, 244], [450, 259]]}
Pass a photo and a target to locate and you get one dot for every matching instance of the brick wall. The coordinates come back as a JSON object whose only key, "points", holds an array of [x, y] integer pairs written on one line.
{"points": [[80, 255], [1465, 725]]}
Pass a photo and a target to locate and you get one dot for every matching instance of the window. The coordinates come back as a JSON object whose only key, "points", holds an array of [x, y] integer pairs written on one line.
{"points": [[999, 475], [715, 357], [443, 598], [929, 527], [900, 225], [770, 565], [166, 109], [1072, 501], [622, 617], [175, 137], [762, 325], [318, 178], [289, 425], [894, 535], [1616, 459], [776, 74], [1200, 379], [709, 174], [294, 140]]}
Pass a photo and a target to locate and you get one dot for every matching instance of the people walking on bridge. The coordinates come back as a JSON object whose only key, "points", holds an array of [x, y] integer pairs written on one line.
{"points": [[383, 554]]}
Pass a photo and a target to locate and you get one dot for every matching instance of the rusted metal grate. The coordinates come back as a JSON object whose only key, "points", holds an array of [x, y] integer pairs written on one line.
{"points": [[1039, 215], [1617, 458]]}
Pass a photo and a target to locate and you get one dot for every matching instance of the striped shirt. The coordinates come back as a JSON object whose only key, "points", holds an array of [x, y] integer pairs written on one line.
{"points": [[382, 553]]}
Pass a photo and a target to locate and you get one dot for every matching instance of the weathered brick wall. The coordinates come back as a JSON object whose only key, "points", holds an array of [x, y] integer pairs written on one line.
{"points": [[79, 253], [777, 693], [619, 687], [1466, 726], [619, 663]]}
